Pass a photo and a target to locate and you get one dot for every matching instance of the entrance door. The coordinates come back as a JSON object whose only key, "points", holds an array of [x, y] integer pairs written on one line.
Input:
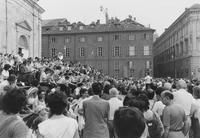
{"points": [[23, 46]]}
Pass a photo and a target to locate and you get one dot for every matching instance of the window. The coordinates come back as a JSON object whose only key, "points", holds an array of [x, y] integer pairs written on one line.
{"points": [[53, 40], [146, 50], [132, 51], [82, 52], [69, 28], [99, 51], [116, 51], [61, 28], [67, 40], [116, 37], [146, 36], [82, 39], [81, 27], [67, 52], [131, 37], [100, 39], [53, 52]]}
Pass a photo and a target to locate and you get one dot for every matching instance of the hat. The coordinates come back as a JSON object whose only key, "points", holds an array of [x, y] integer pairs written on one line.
{"points": [[32, 90]]}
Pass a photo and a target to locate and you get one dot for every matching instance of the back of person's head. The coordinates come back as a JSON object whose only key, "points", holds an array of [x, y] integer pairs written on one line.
{"points": [[145, 99], [57, 102], [127, 100], [181, 84], [159, 90], [133, 91], [196, 92], [129, 122], [106, 88], [167, 94], [167, 86], [97, 88], [13, 101], [7, 67], [150, 93], [113, 92], [138, 104]]}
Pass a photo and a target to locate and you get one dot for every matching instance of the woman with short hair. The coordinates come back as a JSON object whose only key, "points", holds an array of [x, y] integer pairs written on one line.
{"points": [[58, 125], [11, 125], [129, 123]]}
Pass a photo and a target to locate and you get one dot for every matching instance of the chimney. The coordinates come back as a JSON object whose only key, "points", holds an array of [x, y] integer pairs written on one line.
{"points": [[98, 22], [134, 18]]}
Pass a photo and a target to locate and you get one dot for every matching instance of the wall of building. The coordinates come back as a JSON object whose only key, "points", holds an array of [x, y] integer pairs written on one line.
{"points": [[19, 11], [174, 50], [106, 63]]}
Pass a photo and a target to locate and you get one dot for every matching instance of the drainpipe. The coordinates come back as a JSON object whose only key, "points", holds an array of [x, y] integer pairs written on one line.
{"points": [[6, 6]]}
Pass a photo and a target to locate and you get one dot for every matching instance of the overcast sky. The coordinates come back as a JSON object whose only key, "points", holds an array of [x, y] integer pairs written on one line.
{"points": [[158, 13]]}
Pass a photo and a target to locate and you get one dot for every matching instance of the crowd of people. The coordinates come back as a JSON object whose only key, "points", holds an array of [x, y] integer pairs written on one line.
{"points": [[51, 98]]}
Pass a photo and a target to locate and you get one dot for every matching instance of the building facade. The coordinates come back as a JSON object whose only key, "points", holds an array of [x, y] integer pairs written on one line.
{"points": [[20, 27], [118, 48], [177, 51]]}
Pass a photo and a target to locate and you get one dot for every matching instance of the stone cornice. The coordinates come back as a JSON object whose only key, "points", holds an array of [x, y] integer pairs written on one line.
{"points": [[184, 14], [35, 5]]}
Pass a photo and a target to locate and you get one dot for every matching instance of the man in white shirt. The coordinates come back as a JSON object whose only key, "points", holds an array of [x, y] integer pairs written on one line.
{"points": [[114, 104], [148, 80], [183, 98]]}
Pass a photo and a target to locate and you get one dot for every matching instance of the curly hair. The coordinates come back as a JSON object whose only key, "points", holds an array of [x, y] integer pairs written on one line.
{"points": [[129, 122], [13, 101], [57, 102]]}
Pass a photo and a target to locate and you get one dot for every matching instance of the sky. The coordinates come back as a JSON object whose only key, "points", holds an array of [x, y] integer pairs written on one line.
{"points": [[159, 14]]}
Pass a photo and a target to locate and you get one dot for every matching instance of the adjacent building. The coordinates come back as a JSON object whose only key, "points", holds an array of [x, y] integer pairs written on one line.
{"points": [[117, 48], [20, 27], [176, 52]]}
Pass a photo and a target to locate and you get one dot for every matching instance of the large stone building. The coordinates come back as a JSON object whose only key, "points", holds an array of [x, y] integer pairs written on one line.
{"points": [[117, 48], [20, 27], [177, 51]]}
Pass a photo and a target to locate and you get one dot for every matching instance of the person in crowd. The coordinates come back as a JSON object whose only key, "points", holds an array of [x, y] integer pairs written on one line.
{"points": [[148, 80], [155, 126], [167, 86], [11, 124], [5, 72], [44, 75], [106, 89], [114, 104], [96, 112], [159, 106], [129, 123], [58, 125], [40, 101], [174, 117], [151, 96], [195, 112], [80, 118], [184, 99]]}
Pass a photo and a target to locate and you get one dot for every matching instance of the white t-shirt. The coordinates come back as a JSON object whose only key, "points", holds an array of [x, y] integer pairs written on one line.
{"points": [[148, 79], [58, 126], [158, 108], [184, 99], [114, 104]]}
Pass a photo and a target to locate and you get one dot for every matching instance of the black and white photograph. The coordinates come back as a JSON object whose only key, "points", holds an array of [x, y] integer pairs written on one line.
{"points": [[99, 69]]}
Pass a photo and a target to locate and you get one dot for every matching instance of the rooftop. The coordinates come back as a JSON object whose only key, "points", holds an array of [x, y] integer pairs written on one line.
{"points": [[114, 24]]}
